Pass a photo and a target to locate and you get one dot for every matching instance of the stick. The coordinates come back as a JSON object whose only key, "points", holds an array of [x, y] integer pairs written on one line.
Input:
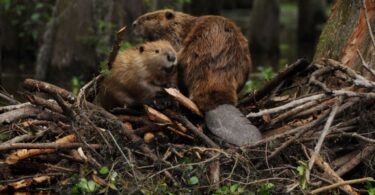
{"points": [[330, 172], [287, 106], [289, 71], [321, 139], [348, 182], [365, 64], [368, 23], [35, 85], [116, 47], [196, 131], [56, 146]]}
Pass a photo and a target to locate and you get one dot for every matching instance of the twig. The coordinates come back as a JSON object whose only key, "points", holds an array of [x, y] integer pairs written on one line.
{"points": [[365, 64], [116, 47], [25, 137], [30, 112], [196, 131], [356, 135], [287, 106], [8, 98], [348, 182], [35, 85], [368, 23], [56, 146], [329, 172], [82, 92], [313, 80], [322, 137], [353, 162], [293, 112], [13, 107], [289, 71]]}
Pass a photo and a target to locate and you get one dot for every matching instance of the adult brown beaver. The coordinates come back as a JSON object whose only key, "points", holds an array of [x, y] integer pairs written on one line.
{"points": [[138, 74], [214, 63]]}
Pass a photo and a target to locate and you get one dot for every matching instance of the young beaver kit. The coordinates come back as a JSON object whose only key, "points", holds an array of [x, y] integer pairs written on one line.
{"points": [[213, 62], [138, 74]]}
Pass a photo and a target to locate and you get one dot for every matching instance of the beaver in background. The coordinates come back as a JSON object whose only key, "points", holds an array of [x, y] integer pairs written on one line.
{"points": [[213, 62], [138, 74]]}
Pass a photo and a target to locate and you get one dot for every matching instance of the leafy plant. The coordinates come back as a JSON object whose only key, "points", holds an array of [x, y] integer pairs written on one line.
{"points": [[301, 169], [266, 188], [370, 188], [231, 189], [84, 186], [193, 180]]}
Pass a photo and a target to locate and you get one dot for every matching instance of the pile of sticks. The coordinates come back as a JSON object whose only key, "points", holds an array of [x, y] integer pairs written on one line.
{"points": [[306, 119]]}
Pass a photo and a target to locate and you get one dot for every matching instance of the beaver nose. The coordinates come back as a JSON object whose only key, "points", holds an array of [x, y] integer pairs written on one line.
{"points": [[134, 24], [171, 57]]}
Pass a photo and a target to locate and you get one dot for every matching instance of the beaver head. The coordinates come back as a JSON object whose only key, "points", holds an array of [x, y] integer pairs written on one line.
{"points": [[164, 24]]}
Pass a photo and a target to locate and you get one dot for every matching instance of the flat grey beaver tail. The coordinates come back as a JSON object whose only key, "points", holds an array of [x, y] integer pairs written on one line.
{"points": [[228, 123]]}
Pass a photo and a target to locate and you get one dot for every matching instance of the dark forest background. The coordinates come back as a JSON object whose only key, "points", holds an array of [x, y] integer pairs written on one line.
{"points": [[66, 42]]}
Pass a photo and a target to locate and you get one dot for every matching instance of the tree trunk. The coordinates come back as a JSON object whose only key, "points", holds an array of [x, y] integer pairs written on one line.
{"points": [[311, 16], [346, 32], [79, 37], [264, 33], [199, 7]]}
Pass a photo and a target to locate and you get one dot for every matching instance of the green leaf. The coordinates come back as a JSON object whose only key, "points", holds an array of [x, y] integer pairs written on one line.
{"points": [[234, 187], [193, 180], [91, 186], [104, 170], [301, 170], [82, 185]]}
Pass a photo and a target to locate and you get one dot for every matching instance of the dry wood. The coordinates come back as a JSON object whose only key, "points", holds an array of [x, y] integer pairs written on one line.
{"points": [[40, 86], [184, 100], [319, 144], [30, 112], [288, 73], [330, 172], [353, 181], [24, 153]]}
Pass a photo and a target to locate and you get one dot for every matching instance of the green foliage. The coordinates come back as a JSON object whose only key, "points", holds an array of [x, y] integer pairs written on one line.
{"points": [[104, 170], [193, 180], [75, 85], [257, 79], [85, 186], [160, 188], [301, 169], [231, 189], [29, 18], [266, 188], [370, 188]]}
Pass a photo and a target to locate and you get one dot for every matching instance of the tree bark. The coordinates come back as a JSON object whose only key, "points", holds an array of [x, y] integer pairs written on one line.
{"points": [[345, 32], [264, 33]]}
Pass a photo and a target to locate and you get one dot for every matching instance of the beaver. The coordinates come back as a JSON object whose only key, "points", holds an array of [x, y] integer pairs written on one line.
{"points": [[138, 74], [214, 64]]}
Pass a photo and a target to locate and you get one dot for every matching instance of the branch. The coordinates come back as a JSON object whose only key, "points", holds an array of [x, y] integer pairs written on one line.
{"points": [[287, 73], [322, 137], [348, 182], [56, 146]]}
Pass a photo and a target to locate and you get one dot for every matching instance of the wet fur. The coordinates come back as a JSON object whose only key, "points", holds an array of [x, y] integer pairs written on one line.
{"points": [[137, 76], [214, 59]]}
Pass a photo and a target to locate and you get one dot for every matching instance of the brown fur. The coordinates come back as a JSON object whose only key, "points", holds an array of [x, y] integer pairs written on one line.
{"points": [[213, 53], [138, 74]]}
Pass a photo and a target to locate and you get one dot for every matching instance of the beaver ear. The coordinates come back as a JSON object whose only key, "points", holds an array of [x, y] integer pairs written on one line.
{"points": [[141, 49], [169, 15]]}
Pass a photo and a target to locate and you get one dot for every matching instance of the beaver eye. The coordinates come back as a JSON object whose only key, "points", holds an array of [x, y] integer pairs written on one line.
{"points": [[157, 51]]}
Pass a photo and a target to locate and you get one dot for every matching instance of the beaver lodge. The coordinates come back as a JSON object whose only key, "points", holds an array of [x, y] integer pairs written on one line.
{"points": [[316, 120]]}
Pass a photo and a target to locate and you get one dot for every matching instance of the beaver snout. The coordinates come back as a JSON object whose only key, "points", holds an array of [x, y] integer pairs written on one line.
{"points": [[135, 23], [171, 57]]}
